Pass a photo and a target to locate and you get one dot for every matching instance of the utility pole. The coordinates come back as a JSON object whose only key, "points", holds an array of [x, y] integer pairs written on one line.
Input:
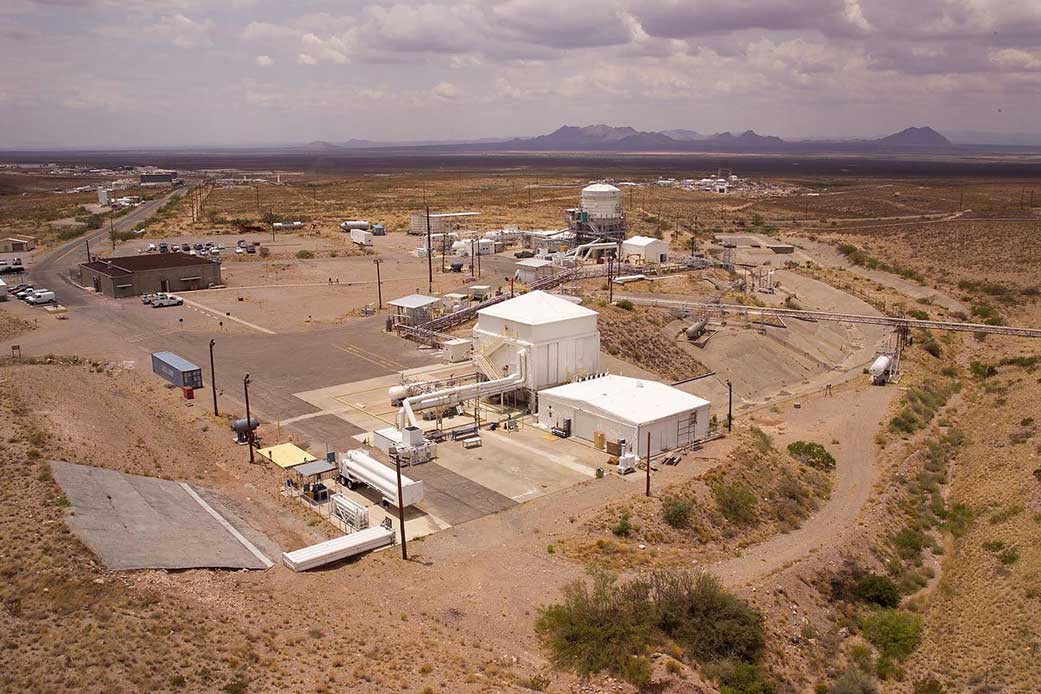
{"points": [[249, 420], [379, 283], [401, 509], [472, 275], [610, 279], [213, 380], [730, 406], [478, 243], [648, 492], [430, 257], [87, 241]]}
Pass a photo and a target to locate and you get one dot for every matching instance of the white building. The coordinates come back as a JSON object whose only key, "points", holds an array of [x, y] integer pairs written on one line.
{"points": [[531, 269], [646, 249], [626, 409], [547, 338], [414, 309]]}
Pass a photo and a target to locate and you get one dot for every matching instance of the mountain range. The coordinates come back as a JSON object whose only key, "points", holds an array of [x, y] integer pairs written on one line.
{"points": [[611, 138]]}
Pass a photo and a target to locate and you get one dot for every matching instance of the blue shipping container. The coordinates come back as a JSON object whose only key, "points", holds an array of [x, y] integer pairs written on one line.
{"points": [[176, 370]]}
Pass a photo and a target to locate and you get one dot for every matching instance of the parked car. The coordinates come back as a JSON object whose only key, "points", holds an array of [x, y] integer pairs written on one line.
{"points": [[3, 262], [251, 249], [524, 254], [210, 244], [150, 248], [164, 248], [16, 261], [214, 251], [164, 300], [149, 298], [17, 288], [185, 247], [241, 243], [40, 298], [239, 250], [20, 294], [25, 296], [198, 246]]}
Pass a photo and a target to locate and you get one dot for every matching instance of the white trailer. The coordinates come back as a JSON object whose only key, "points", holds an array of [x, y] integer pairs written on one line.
{"points": [[362, 237], [342, 547], [358, 467]]}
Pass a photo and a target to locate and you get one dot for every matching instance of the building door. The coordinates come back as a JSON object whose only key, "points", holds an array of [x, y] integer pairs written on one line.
{"points": [[97, 284], [164, 285]]}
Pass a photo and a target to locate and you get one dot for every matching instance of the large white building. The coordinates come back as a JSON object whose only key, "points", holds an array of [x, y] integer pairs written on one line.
{"points": [[626, 409], [547, 338]]}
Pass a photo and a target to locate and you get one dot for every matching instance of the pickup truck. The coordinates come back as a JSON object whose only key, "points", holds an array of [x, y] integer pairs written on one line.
{"points": [[163, 300], [148, 298]]}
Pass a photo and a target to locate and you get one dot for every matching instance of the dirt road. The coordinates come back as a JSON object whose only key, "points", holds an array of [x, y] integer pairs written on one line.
{"points": [[852, 417]]}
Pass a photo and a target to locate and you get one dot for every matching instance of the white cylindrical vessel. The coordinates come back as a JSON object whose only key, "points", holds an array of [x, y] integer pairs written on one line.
{"points": [[602, 201]]}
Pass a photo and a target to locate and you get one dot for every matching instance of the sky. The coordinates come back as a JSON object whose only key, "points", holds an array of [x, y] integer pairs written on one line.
{"points": [[104, 73]]}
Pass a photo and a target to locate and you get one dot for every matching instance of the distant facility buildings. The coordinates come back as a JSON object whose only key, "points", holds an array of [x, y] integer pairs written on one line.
{"points": [[158, 178]]}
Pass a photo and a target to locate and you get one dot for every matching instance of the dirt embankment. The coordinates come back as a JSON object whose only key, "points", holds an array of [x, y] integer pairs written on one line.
{"points": [[637, 336]]}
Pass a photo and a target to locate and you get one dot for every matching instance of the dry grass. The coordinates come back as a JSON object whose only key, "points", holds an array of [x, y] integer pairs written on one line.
{"points": [[638, 336]]}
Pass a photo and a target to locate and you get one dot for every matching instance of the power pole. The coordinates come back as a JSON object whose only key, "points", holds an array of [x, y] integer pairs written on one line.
{"points": [[401, 509], [87, 241], [648, 491], [112, 234], [249, 420], [213, 381], [610, 279], [379, 283], [430, 257], [730, 406]]}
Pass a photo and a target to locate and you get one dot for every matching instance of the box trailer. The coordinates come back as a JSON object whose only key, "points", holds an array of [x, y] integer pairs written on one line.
{"points": [[358, 467], [340, 548], [362, 237], [178, 371]]}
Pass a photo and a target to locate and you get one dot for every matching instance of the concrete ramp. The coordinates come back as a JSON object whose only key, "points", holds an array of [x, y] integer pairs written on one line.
{"points": [[135, 522]]}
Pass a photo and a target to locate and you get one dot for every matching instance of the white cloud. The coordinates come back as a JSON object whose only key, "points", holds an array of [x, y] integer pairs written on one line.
{"points": [[180, 30], [446, 91], [264, 61]]}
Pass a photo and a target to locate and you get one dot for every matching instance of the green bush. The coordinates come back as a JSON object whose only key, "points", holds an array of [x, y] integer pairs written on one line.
{"points": [[304, 254], [910, 542], [736, 677], [761, 440], [611, 626], [853, 681], [624, 527], [894, 633], [676, 511], [876, 589], [736, 502], [812, 454], [624, 304]]}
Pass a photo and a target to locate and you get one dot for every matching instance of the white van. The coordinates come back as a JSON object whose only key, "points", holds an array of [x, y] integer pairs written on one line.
{"points": [[38, 298]]}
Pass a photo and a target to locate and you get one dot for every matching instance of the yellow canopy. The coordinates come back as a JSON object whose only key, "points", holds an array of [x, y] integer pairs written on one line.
{"points": [[286, 455]]}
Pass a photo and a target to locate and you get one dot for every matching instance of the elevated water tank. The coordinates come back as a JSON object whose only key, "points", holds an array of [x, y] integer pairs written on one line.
{"points": [[602, 201]]}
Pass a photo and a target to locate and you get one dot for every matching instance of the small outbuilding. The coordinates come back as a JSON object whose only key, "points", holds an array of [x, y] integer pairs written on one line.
{"points": [[414, 309], [17, 244], [531, 269], [645, 249], [623, 409]]}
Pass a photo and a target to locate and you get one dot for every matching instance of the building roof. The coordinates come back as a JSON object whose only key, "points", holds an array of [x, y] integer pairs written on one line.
{"points": [[632, 400], [600, 188], [414, 301], [317, 467], [642, 241], [286, 455], [125, 265], [176, 361], [536, 308], [534, 262]]}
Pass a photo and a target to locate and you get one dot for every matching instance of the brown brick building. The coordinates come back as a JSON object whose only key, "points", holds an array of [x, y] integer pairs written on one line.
{"points": [[145, 274]]}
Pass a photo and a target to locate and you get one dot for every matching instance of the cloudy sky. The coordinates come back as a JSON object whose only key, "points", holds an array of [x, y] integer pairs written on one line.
{"points": [[170, 72]]}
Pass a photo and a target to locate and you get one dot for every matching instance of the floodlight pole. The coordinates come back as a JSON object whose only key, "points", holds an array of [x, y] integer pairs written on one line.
{"points": [[401, 509], [249, 421], [648, 463], [430, 257], [213, 380], [379, 283]]}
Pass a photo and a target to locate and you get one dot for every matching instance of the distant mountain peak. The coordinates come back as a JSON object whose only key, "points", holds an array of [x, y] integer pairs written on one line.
{"points": [[923, 136]]}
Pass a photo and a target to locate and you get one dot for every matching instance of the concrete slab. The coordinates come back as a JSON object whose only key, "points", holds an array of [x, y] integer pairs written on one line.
{"points": [[135, 522], [454, 498]]}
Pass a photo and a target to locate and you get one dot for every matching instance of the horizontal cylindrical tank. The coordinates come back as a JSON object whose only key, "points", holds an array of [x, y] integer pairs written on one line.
{"points": [[355, 224], [697, 330], [879, 368], [239, 425], [397, 394]]}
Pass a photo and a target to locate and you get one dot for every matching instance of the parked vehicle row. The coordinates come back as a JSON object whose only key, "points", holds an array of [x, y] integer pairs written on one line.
{"points": [[199, 249], [161, 300], [34, 296]]}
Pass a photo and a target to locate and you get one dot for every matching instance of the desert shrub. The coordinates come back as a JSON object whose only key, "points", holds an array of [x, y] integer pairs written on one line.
{"points": [[853, 681], [536, 683], [611, 625], [812, 454], [982, 370], [676, 511], [736, 677], [958, 520], [932, 347], [625, 304], [876, 589], [264, 251], [930, 685], [624, 527], [71, 233], [894, 633], [910, 542], [600, 627], [761, 440], [304, 254], [736, 502]]}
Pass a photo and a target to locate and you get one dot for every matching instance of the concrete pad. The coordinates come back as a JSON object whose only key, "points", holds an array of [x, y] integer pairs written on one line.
{"points": [[135, 522], [454, 498]]}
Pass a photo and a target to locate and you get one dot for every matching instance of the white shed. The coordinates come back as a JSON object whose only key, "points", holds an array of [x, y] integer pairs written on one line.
{"points": [[559, 338], [414, 309], [626, 409], [531, 269], [646, 249]]}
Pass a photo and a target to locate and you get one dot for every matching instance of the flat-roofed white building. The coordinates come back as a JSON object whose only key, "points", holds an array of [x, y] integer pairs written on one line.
{"points": [[556, 339], [626, 409], [531, 269], [645, 249]]}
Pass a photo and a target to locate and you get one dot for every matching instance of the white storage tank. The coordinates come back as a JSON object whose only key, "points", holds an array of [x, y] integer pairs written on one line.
{"points": [[602, 201]]}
